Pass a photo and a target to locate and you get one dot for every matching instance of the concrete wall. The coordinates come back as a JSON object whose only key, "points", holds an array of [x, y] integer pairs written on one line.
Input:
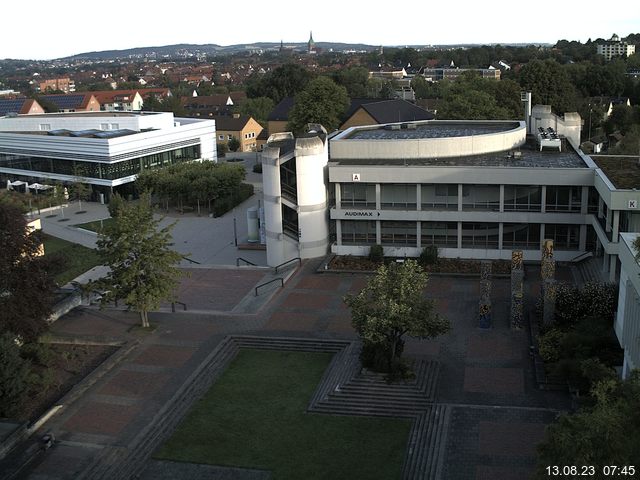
{"points": [[569, 125], [343, 147]]}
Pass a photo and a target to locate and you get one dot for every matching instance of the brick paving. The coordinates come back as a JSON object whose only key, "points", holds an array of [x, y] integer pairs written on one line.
{"points": [[486, 377]]}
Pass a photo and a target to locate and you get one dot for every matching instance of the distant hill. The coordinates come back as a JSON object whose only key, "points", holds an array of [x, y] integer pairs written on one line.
{"points": [[186, 50]]}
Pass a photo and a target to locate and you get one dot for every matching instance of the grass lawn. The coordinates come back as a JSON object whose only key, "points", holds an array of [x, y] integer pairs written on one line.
{"points": [[96, 225], [75, 259], [254, 417]]}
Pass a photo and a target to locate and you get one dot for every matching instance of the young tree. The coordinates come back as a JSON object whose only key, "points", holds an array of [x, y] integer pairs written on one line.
{"points": [[393, 305], [25, 285], [322, 101], [143, 269], [233, 144]]}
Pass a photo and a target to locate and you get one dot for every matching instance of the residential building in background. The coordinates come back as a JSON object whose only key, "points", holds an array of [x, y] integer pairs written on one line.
{"points": [[105, 150], [19, 106], [65, 85], [75, 102], [614, 47], [242, 127]]}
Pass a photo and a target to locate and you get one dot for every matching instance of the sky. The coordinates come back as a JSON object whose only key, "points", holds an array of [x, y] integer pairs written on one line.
{"points": [[49, 31]]}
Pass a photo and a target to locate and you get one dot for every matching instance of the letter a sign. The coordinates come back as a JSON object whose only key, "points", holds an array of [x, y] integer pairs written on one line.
{"points": [[355, 177]]}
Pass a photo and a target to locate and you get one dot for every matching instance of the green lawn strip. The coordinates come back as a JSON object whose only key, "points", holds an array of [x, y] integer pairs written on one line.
{"points": [[75, 259], [254, 417], [96, 225]]}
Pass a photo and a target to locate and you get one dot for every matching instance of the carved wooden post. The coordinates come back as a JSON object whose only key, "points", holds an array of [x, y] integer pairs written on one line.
{"points": [[517, 290], [485, 295]]}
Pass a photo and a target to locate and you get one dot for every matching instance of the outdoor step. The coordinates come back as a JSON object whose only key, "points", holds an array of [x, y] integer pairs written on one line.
{"points": [[279, 345], [364, 411], [427, 443], [372, 403]]}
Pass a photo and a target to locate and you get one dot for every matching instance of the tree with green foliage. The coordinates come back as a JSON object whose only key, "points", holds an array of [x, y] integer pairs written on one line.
{"points": [[550, 84], [233, 144], [26, 287], [15, 373], [392, 305], [259, 108], [285, 81], [630, 144], [323, 102], [602, 434], [354, 79], [143, 270]]}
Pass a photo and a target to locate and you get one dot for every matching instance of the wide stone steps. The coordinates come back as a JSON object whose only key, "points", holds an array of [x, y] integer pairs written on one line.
{"points": [[293, 344], [426, 446], [590, 270]]}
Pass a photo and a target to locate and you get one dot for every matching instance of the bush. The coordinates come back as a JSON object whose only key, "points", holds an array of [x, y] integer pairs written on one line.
{"points": [[257, 168], [574, 304], [376, 253], [429, 255], [38, 353], [222, 149], [15, 374], [549, 345]]}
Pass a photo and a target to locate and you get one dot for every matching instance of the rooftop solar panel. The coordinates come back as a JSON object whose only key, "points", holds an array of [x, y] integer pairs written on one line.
{"points": [[11, 106], [65, 102]]}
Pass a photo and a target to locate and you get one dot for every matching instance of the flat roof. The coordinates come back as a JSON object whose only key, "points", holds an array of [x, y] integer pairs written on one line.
{"points": [[622, 170], [431, 129], [530, 157]]}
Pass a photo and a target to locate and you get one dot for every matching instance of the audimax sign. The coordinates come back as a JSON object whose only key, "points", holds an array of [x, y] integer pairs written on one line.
{"points": [[361, 213]]}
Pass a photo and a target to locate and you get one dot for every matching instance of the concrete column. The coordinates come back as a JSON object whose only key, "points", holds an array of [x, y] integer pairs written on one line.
{"points": [[543, 200], [616, 226], [613, 263], [608, 222], [378, 233], [459, 198], [605, 262], [339, 232], [459, 234], [541, 235], [582, 245], [338, 195], [418, 233], [418, 197], [600, 207], [501, 198], [584, 206], [378, 199], [500, 232]]}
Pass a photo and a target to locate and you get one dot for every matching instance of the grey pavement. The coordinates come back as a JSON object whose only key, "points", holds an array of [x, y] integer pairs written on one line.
{"points": [[207, 241]]}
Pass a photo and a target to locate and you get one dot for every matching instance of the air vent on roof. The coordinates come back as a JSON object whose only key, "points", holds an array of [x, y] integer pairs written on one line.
{"points": [[392, 127], [409, 126]]}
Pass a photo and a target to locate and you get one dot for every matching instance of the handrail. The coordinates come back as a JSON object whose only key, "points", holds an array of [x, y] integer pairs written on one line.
{"points": [[288, 261], [581, 257], [173, 306], [189, 260], [267, 283], [245, 261]]}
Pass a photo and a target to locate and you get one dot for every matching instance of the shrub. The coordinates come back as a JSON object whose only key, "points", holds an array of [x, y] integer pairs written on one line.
{"points": [[222, 149], [375, 356], [574, 304], [38, 353], [429, 255], [549, 345], [15, 374], [376, 253], [257, 168]]}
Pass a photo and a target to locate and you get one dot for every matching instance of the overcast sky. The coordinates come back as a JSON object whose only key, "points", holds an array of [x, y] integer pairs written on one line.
{"points": [[36, 29]]}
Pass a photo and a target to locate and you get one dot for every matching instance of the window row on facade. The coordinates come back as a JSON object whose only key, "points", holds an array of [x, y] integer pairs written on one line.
{"points": [[517, 198], [107, 171], [479, 235]]}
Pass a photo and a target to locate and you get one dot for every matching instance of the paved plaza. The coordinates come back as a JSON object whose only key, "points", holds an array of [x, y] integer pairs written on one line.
{"points": [[486, 379]]}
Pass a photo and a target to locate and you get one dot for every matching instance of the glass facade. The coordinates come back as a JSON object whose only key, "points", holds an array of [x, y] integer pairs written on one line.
{"points": [[358, 195], [440, 234], [288, 180], [563, 199], [399, 233], [356, 232], [99, 170], [481, 197], [480, 235], [519, 198], [398, 196], [439, 196], [565, 237], [521, 235]]}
